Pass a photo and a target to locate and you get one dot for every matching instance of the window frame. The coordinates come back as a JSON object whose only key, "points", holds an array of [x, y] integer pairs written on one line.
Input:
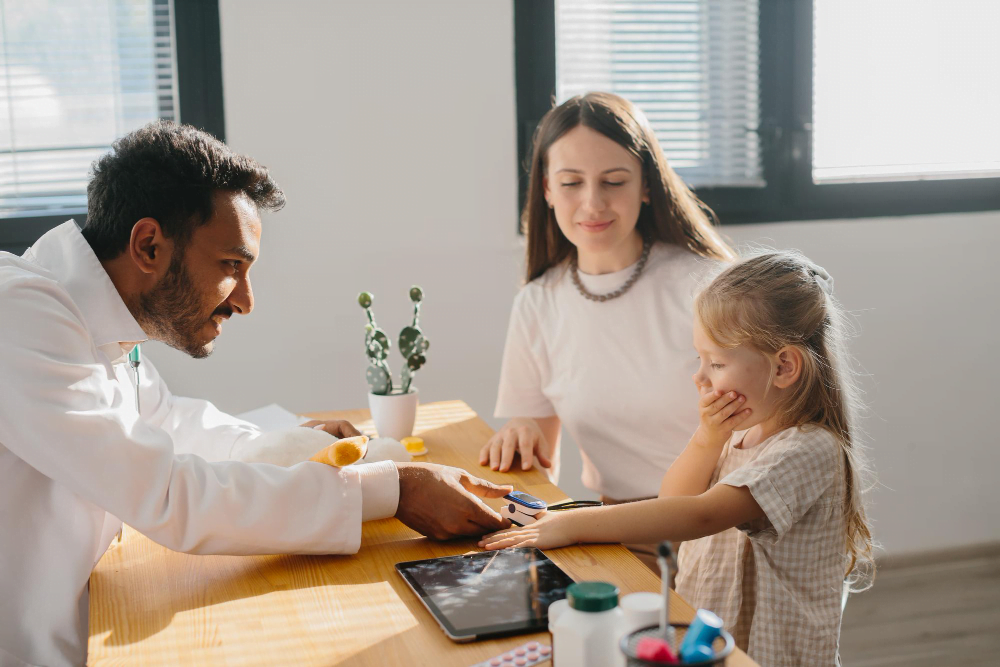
{"points": [[199, 84], [786, 52]]}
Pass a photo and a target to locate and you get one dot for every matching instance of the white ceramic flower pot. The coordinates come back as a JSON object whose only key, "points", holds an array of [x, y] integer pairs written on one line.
{"points": [[394, 414]]}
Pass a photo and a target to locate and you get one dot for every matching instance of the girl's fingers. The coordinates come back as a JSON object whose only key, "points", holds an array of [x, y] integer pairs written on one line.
{"points": [[523, 543], [510, 542], [490, 536], [504, 538], [730, 408], [737, 419], [726, 399], [708, 398], [720, 402]]}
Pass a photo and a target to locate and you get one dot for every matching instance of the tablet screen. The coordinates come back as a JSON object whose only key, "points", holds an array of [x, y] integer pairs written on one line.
{"points": [[488, 594]]}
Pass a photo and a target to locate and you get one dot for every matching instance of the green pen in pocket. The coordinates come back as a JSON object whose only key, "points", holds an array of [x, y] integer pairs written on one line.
{"points": [[134, 360]]}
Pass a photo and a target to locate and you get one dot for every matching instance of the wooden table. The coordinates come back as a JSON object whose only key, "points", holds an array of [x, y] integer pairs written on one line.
{"points": [[154, 606]]}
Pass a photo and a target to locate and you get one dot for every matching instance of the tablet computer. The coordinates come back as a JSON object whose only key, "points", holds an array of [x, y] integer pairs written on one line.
{"points": [[487, 594]]}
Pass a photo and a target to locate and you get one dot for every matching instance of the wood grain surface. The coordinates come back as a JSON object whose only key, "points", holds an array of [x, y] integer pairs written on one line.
{"points": [[154, 606]]}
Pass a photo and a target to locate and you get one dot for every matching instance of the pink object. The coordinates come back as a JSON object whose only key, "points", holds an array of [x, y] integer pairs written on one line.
{"points": [[526, 655], [655, 650]]}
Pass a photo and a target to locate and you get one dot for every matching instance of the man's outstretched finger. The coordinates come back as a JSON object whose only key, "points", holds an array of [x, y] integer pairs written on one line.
{"points": [[485, 517], [471, 529], [484, 489]]}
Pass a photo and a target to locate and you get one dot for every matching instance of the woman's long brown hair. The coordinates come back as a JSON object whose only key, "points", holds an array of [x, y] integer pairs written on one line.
{"points": [[674, 214]]}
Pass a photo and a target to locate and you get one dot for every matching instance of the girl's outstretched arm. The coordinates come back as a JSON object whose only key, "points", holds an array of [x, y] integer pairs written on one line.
{"points": [[676, 518]]}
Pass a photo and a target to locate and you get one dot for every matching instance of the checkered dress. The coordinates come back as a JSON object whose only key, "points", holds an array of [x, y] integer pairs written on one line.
{"points": [[777, 582]]}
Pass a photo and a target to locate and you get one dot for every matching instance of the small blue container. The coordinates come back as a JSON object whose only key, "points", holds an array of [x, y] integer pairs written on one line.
{"points": [[704, 629]]}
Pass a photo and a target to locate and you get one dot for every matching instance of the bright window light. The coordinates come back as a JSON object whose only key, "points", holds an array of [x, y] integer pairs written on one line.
{"points": [[906, 90]]}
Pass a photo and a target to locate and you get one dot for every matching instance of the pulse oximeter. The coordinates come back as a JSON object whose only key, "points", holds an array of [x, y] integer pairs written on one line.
{"points": [[522, 508]]}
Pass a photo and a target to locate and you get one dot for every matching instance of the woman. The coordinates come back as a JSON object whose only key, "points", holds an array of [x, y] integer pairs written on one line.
{"points": [[600, 336]]}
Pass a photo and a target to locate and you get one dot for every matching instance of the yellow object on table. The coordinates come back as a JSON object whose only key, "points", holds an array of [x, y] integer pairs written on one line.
{"points": [[344, 452], [414, 445]]}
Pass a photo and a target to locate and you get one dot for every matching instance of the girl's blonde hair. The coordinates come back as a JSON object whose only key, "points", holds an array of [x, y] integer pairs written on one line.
{"points": [[773, 300]]}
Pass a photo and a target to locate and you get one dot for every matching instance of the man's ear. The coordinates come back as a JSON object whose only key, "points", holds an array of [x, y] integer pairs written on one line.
{"points": [[789, 366], [148, 248]]}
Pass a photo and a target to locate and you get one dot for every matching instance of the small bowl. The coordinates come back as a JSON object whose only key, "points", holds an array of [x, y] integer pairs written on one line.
{"points": [[723, 646]]}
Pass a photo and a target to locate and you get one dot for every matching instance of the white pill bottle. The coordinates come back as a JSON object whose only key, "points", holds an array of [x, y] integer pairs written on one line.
{"points": [[587, 626]]}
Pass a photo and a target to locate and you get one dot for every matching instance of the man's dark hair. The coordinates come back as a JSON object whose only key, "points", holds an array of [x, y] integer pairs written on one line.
{"points": [[168, 172]]}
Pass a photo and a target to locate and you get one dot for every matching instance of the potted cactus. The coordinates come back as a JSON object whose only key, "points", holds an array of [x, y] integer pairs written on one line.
{"points": [[393, 406]]}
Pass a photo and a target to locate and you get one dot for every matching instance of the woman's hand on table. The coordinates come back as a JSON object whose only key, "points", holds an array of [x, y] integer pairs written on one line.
{"points": [[440, 501], [554, 529], [519, 437]]}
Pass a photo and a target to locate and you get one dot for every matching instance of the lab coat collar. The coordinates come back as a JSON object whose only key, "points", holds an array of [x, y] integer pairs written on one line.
{"points": [[65, 254]]}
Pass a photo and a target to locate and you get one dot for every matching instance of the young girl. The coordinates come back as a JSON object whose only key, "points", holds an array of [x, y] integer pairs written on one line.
{"points": [[771, 514]]}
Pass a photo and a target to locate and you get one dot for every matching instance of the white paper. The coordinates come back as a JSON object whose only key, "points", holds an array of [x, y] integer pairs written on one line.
{"points": [[272, 417]]}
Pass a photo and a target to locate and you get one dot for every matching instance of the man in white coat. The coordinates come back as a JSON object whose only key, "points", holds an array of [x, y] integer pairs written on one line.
{"points": [[173, 228]]}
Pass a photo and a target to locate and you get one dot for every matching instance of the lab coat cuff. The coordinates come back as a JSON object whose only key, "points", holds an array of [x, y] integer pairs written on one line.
{"points": [[379, 490]]}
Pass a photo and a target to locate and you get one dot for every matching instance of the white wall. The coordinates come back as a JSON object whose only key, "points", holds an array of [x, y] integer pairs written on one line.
{"points": [[924, 292], [391, 128]]}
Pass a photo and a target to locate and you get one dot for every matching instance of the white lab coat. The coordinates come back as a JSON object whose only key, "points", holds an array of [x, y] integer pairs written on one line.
{"points": [[76, 459]]}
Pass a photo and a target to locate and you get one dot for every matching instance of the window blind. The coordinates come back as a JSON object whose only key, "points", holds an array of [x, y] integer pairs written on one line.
{"points": [[74, 76], [690, 65]]}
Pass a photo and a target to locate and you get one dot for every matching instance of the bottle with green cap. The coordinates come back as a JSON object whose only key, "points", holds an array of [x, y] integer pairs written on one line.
{"points": [[586, 628]]}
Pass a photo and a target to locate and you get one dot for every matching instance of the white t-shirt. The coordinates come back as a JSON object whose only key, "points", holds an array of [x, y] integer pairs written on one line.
{"points": [[617, 373]]}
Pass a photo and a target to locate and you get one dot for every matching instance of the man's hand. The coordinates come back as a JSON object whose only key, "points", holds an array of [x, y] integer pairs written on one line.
{"points": [[440, 501], [338, 428]]}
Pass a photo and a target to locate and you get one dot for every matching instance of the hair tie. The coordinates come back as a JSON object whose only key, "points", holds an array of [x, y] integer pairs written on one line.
{"points": [[823, 278]]}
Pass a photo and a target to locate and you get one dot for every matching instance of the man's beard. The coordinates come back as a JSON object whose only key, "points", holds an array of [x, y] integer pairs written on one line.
{"points": [[172, 313]]}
